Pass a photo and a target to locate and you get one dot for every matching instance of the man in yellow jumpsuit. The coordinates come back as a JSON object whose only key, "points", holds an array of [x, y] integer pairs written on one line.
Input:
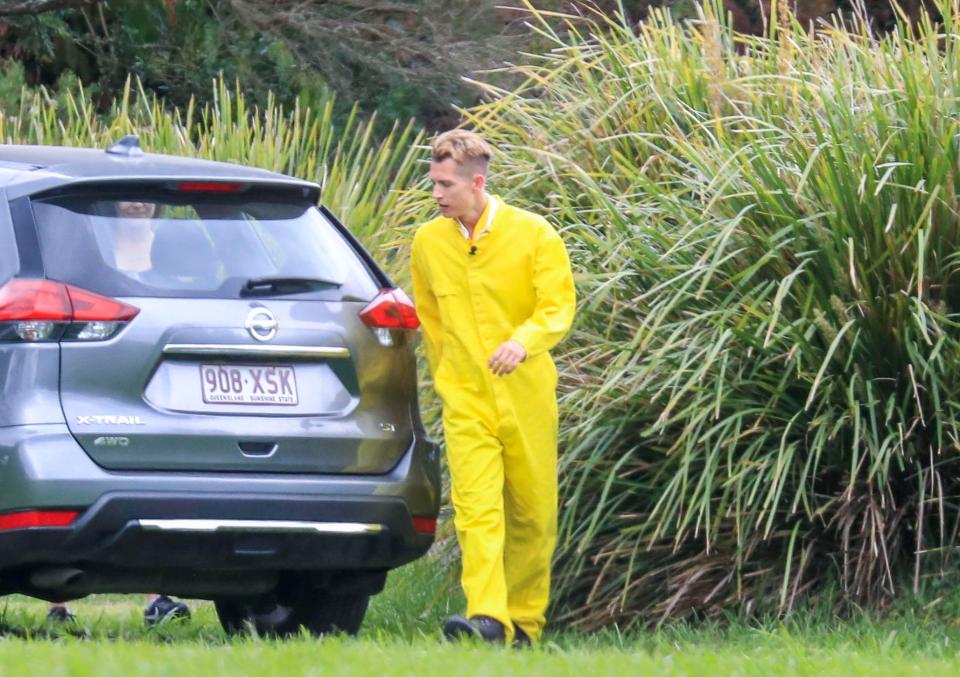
{"points": [[494, 292]]}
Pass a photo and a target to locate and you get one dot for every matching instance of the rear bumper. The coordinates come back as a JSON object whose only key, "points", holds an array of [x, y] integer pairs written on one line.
{"points": [[143, 531], [164, 531]]}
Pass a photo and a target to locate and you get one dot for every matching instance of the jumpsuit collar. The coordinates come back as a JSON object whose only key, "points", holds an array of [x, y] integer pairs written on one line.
{"points": [[490, 212]]}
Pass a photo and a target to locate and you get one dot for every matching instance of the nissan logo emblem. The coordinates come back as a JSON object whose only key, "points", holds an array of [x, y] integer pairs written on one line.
{"points": [[261, 324]]}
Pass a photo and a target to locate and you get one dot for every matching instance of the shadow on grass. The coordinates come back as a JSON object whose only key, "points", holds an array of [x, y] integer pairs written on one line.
{"points": [[414, 603], [24, 625]]}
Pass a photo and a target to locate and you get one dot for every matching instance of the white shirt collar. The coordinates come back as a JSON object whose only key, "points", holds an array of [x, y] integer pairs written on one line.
{"points": [[491, 211]]}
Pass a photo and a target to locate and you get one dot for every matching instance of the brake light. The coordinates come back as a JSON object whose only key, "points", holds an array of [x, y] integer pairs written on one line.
{"points": [[45, 310], [208, 187], [37, 518], [425, 525], [90, 307], [22, 299], [391, 311]]}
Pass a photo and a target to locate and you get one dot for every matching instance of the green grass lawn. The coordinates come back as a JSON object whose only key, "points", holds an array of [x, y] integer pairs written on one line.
{"points": [[401, 636]]}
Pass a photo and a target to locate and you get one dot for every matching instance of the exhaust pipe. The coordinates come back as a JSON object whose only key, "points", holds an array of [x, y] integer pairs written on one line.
{"points": [[55, 577]]}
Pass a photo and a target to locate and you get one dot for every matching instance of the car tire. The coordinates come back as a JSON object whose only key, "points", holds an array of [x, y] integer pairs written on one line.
{"points": [[291, 606]]}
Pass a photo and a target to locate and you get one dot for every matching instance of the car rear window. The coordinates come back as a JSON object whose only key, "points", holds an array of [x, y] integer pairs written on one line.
{"points": [[203, 245]]}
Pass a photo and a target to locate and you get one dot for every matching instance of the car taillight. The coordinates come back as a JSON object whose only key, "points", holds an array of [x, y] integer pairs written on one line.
{"points": [[425, 525], [37, 518], [45, 310], [208, 187], [391, 311]]}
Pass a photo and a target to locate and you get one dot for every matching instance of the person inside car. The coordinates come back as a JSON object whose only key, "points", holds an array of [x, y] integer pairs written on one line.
{"points": [[133, 236]]}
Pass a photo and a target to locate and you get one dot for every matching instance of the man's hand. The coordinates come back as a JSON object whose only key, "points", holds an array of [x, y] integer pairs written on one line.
{"points": [[507, 357]]}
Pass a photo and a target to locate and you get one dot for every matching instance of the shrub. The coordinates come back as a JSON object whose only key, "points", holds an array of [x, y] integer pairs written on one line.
{"points": [[762, 391]]}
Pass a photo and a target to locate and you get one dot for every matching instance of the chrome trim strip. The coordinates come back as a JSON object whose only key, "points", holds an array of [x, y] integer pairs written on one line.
{"points": [[232, 350], [272, 526]]}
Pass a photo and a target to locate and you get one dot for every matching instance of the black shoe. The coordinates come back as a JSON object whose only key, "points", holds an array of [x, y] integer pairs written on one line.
{"points": [[60, 614], [480, 627], [521, 640], [163, 608]]}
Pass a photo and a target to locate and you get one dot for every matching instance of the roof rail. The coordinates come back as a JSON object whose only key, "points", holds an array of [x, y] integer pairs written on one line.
{"points": [[128, 146]]}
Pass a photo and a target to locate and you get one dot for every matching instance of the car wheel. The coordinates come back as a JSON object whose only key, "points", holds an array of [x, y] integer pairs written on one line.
{"points": [[291, 606]]}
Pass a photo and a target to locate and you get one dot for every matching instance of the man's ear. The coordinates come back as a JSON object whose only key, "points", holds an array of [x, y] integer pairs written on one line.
{"points": [[479, 182]]}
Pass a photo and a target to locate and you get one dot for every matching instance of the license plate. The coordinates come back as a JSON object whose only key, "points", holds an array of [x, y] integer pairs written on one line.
{"points": [[248, 384]]}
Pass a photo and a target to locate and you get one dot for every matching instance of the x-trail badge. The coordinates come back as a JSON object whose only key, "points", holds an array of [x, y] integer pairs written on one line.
{"points": [[261, 324]]}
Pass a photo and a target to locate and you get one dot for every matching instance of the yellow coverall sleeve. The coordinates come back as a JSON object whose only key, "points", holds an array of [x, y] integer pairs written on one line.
{"points": [[428, 310], [556, 297]]}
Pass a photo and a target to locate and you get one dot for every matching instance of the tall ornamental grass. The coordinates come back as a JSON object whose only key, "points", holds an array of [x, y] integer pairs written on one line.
{"points": [[761, 395], [361, 173]]}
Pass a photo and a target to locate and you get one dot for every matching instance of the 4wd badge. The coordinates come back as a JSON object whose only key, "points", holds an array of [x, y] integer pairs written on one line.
{"points": [[112, 442]]}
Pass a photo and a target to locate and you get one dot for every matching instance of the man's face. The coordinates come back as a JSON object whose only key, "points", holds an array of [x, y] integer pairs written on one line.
{"points": [[136, 210], [455, 188]]}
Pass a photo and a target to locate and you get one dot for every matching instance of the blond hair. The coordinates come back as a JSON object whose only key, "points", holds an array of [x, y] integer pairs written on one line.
{"points": [[464, 147]]}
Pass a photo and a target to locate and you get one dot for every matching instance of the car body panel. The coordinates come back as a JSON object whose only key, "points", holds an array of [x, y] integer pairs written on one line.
{"points": [[9, 260], [29, 384], [43, 467], [131, 406]]}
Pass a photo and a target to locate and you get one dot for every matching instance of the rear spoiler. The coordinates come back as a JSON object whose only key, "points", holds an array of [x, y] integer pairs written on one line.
{"points": [[301, 191]]}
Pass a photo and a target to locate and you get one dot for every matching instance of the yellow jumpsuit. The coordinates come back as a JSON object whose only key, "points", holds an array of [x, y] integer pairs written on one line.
{"points": [[501, 431]]}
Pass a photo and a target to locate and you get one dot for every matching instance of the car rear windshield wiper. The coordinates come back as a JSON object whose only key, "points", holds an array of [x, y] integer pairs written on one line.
{"points": [[256, 286]]}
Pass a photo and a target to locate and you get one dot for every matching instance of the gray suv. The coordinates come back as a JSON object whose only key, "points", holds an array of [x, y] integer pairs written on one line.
{"points": [[207, 389]]}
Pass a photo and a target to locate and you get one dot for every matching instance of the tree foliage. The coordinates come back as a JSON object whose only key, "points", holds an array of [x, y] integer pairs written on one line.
{"points": [[402, 58]]}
